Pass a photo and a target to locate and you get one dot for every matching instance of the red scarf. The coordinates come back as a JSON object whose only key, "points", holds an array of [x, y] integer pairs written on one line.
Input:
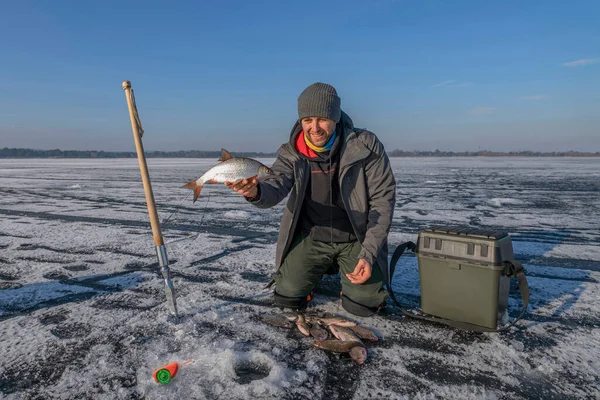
{"points": [[303, 148]]}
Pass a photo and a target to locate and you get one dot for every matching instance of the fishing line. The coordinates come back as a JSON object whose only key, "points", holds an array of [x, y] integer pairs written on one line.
{"points": [[164, 223], [203, 212], [201, 219], [185, 238]]}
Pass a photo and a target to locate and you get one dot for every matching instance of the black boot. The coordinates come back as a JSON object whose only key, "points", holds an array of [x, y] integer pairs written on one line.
{"points": [[295, 303], [356, 308]]}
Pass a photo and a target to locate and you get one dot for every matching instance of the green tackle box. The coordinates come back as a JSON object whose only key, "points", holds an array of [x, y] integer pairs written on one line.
{"points": [[462, 274]]}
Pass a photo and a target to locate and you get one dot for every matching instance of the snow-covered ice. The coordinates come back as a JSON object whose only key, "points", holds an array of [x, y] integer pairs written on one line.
{"points": [[83, 312]]}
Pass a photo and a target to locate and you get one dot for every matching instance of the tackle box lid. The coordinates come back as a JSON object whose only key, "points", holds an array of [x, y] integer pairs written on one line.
{"points": [[472, 232]]}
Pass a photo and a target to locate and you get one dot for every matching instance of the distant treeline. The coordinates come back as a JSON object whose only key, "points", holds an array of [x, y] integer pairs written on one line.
{"points": [[487, 153], [30, 153]]}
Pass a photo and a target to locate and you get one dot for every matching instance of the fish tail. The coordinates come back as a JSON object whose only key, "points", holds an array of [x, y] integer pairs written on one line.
{"points": [[195, 187]]}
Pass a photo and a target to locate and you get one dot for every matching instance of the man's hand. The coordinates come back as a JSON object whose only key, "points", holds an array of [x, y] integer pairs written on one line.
{"points": [[362, 272], [245, 187]]}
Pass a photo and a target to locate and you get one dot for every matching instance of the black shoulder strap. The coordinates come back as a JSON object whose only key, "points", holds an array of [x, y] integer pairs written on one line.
{"points": [[511, 268]]}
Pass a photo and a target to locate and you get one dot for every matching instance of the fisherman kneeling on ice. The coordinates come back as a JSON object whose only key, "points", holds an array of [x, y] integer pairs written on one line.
{"points": [[342, 195]]}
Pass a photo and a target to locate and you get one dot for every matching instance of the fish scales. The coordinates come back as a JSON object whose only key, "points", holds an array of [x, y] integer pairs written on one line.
{"points": [[232, 170], [364, 333], [318, 333], [277, 320], [343, 333]]}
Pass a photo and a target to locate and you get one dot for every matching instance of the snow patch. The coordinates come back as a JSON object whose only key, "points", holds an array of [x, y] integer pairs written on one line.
{"points": [[237, 214], [499, 202]]}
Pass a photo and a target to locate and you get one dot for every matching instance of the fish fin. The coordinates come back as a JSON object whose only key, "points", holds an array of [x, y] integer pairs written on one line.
{"points": [[195, 187], [225, 155], [212, 181]]}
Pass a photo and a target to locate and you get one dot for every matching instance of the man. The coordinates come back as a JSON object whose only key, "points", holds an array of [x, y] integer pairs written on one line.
{"points": [[341, 202]]}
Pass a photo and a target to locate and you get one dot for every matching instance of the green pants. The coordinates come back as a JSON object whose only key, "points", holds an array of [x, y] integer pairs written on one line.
{"points": [[308, 260]]}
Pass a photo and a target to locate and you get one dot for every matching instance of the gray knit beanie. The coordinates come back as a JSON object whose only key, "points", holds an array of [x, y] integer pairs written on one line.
{"points": [[319, 100]]}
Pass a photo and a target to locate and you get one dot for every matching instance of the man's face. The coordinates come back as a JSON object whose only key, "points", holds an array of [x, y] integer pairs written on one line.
{"points": [[318, 130]]}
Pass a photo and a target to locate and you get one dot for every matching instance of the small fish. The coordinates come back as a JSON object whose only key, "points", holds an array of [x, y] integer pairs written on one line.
{"points": [[318, 333], [336, 346], [302, 325], [364, 333], [326, 321], [343, 333], [358, 354], [230, 169], [277, 320]]}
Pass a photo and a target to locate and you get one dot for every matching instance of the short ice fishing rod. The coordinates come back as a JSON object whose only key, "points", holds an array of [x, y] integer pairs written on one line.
{"points": [[161, 251]]}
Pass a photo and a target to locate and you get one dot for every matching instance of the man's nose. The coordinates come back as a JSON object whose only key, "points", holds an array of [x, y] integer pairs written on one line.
{"points": [[314, 126]]}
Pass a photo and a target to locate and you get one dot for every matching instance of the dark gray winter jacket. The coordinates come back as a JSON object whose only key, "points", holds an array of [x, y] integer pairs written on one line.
{"points": [[367, 188]]}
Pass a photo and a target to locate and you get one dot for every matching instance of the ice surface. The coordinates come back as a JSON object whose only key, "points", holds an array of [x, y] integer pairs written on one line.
{"points": [[83, 312]]}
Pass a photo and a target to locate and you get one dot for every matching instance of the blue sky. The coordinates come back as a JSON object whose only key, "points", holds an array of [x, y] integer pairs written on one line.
{"points": [[454, 75]]}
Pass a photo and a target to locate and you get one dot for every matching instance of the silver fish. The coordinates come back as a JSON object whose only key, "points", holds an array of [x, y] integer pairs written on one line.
{"points": [[230, 169]]}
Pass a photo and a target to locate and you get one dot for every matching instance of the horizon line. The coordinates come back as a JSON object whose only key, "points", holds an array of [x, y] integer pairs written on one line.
{"points": [[147, 151]]}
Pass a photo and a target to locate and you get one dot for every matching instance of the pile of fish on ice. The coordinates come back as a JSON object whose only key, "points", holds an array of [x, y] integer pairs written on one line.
{"points": [[347, 333]]}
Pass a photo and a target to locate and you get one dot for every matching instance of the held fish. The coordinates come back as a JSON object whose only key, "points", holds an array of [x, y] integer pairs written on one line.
{"points": [[229, 169]]}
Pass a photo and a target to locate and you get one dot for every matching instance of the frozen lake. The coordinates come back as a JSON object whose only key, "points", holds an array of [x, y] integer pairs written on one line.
{"points": [[83, 312]]}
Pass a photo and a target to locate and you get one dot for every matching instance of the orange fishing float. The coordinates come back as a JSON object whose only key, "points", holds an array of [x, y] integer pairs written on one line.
{"points": [[164, 374]]}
